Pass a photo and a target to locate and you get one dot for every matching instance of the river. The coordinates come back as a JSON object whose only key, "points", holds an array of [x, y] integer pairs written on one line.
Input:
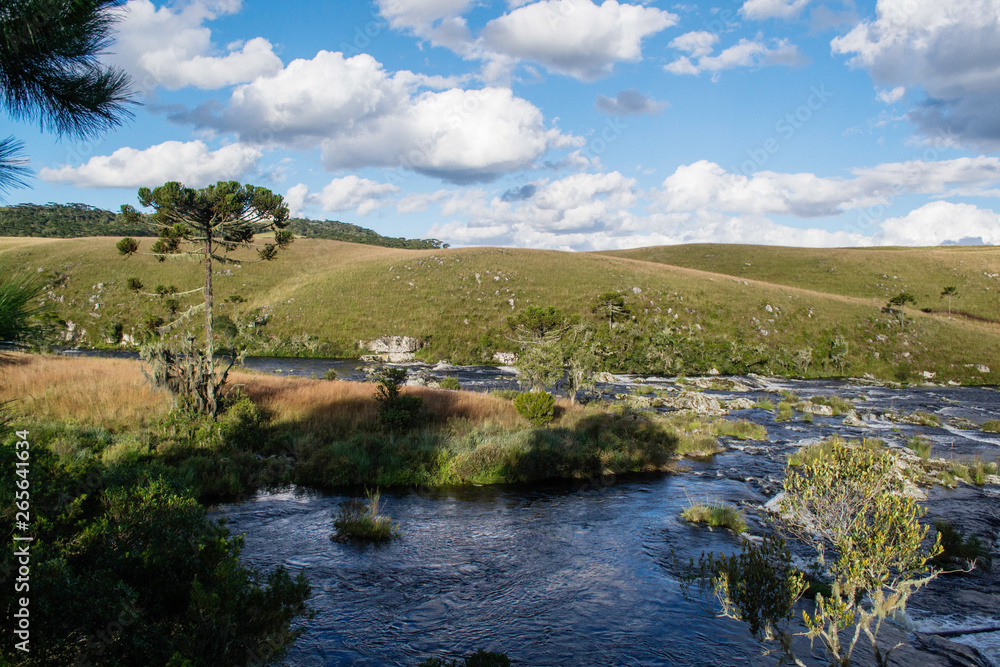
{"points": [[586, 573]]}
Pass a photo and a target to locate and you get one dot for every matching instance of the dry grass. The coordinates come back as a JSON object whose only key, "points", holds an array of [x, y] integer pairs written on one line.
{"points": [[321, 404], [110, 393]]}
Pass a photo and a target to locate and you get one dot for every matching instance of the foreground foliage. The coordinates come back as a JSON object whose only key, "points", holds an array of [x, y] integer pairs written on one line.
{"points": [[126, 569], [848, 503]]}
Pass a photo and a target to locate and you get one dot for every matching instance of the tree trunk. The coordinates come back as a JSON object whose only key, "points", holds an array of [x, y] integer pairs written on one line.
{"points": [[209, 338]]}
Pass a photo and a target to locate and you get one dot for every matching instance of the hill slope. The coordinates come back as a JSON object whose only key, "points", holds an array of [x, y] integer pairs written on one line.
{"points": [[79, 220], [322, 297], [876, 274]]}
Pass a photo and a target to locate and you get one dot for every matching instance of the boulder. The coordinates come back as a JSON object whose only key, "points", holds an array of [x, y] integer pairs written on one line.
{"points": [[392, 349], [812, 408], [691, 401], [505, 358], [740, 404]]}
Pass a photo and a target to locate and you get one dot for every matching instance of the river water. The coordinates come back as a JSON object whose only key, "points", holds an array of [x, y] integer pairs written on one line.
{"points": [[586, 573]]}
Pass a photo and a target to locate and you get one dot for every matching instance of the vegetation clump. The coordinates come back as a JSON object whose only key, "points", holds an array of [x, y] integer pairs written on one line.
{"points": [[538, 407], [960, 550], [920, 446], [716, 515], [364, 521], [991, 426], [450, 383], [395, 409], [847, 503]]}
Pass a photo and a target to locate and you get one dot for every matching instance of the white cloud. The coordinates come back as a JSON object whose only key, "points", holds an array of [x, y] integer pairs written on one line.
{"points": [[939, 222], [891, 96], [697, 43], [420, 13], [360, 115], [295, 198], [772, 9], [575, 37], [190, 163], [170, 47], [746, 53], [950, 50], [349, 192], [705, 185]]}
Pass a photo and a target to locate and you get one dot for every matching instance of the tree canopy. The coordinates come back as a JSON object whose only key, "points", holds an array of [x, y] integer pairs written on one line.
{"points": [[50, 73]]}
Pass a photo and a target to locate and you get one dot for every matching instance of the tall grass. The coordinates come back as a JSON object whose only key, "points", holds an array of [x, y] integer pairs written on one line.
{"points": [[715, 515]]}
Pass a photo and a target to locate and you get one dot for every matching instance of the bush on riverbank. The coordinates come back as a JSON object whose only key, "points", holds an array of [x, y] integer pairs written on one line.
{"points": [[716, 515], [126, 568]]}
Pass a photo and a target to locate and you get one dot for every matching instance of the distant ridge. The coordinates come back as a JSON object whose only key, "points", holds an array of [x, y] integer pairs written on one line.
{"points": [[79, 220]]}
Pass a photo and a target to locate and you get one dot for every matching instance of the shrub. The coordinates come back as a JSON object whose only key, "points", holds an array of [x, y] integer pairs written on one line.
{"points": [[785, 411], [764, 404], [838, 405], [363, 521], [243, 424], [124, 451], [959, 549], [451, 383], [331, 374], [538, 407], [714, 515], [135, 284], [395, 411], [992, 426], [920, 446]]}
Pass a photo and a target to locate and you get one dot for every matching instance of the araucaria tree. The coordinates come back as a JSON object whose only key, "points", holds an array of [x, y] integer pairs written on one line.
{"points": [[208, 223], [50, 73]]}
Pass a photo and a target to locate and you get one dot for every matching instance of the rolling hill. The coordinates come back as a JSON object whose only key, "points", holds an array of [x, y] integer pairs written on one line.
{"points": [[692, 308]]}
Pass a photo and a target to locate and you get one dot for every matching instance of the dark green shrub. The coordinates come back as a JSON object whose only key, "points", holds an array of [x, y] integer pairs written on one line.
{"points": [[135, 284], [538, 407], [113, 332], [451, 383], [957, 549], [331, 374], [243, 424], [395, 411]]}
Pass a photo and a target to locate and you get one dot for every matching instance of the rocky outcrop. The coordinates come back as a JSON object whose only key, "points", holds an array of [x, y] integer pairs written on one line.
{"points": [[391, 349], [691, 401], [505, 358]]}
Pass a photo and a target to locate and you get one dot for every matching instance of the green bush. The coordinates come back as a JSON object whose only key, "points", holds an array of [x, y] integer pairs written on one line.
{"points": [[957, 549], [992, 426], [395, 411], [920, 446], [538, 407], [243, 424], [451, 383]]}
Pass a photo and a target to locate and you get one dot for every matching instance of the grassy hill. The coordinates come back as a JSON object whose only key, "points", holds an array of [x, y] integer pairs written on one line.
{"points": [[79, 220], [322, 297], [876, 274]]}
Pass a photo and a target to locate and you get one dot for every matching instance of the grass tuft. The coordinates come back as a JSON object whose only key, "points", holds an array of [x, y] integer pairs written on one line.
{"points": [[363, 521], [716, 515]]}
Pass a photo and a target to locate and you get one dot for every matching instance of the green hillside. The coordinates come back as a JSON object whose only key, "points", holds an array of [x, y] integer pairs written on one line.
{"points": [[877, 274], [322, 297], [79, 220]]}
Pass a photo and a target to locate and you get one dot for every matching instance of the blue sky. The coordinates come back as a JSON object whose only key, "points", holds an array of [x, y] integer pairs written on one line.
{"points": [[565, 124]]}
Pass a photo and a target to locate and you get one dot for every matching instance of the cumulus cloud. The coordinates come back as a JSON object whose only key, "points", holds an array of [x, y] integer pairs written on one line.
{"points": [[706, 185], [950, 50], [171, 47], [190, 163], [361, 115], [295, 198], [772, 9], [575, 37], [420, 13], [746, 53], [349, 192], [627, 103], [941, 222]]}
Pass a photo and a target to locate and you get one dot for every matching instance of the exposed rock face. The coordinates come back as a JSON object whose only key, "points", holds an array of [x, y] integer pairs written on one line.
{"points": [[740, 404], [505, 358], [694, 402], [393, 349], [812, 408]]}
